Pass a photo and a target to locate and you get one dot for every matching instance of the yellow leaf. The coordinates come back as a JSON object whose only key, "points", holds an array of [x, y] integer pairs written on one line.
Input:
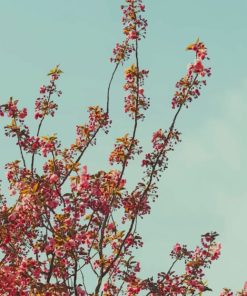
{"points": [[25, 191], [87, 217], [35, 187], [55, 70], [120, 234], [13, 123], [49, 138], [190, 46]]}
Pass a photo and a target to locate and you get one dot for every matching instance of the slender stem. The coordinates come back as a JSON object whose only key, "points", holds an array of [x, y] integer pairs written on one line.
{"points": [[109, 88], [22, 156], [75, 276], [171, 267], [21, 151], [39, 128], [51, 268], [175, 118]]}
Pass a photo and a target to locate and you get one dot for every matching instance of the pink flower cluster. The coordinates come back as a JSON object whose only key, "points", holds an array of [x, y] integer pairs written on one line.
{"points": [[44, 105], [134, 28], [188, 88], [98, 119], [122, 52], [228, 292], [155, 162], [134, 24], [12, 111], [136, 100], [124, 150], [192, 281]]}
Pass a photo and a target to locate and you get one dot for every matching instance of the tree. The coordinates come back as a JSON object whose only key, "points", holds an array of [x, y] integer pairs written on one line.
{"points": [[56, 238]]}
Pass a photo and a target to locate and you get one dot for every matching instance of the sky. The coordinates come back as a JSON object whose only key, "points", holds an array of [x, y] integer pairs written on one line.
{"points": [[204, 187]]}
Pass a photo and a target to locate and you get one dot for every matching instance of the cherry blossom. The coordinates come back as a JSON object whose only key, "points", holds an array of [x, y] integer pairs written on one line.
{"points": [[64, 225]]}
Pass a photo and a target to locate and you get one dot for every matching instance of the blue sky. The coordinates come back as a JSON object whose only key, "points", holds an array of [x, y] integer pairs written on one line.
{"points": [[205, 186]]}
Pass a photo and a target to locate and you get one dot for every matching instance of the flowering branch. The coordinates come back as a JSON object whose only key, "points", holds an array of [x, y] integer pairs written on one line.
{"points": [[54, 238]]}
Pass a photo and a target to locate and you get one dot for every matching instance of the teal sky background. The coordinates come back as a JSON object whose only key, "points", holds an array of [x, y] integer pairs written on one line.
{"points": [[204, 188]]}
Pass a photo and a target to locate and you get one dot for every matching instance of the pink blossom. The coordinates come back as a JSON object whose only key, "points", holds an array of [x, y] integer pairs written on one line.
{"points": [[12, 217], [80, 292], [137, 267], [177, 249], [133, 35], [54, 77], [84, 177], [42, 89], [12, 109], [35, 145], [226, 292], [198, 66], [38, 115], [44, 151], [142, 7], [72, 243], [23, 113], [111, 226], [141, 91], [215, 251], [53, 178], [105, 287], [59, 253]]}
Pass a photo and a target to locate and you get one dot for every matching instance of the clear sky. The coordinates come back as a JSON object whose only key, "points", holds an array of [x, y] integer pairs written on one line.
{"points": [[204, 188]]}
